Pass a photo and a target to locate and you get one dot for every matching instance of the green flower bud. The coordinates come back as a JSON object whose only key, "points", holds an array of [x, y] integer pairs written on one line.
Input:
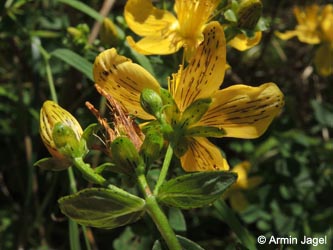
{"points": [[248, 14], [151, 102], [152, 146], [125, 155]]}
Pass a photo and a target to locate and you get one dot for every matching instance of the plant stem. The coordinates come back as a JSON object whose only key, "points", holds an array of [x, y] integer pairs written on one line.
{"points": [[88, 173], [162, 223], [229, 217], [164, 170]]}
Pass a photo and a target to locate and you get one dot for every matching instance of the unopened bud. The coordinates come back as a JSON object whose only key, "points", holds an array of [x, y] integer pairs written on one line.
{"points": [[249, 13], [125, 155], [152, 146], [51, 115], [151, 102]]}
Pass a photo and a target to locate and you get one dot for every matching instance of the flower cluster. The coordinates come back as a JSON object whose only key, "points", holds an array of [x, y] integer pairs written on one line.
{"points": [[194, 108]]}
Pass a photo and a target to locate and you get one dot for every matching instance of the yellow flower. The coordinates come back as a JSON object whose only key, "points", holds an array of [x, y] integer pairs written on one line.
{"points": [[307, 30], [50, 115], [162, 32], [238, 111], [315, 26], [238, 201]]}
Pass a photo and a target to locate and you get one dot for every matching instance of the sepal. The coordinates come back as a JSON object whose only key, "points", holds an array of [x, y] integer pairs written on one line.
{"points": [[53, 164]]}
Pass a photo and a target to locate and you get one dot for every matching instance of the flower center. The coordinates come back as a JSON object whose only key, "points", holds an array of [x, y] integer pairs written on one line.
{"points": [[192, 16]]}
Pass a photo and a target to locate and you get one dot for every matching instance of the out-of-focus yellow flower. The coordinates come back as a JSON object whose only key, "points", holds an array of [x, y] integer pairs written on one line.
{"points": [[235, 194], [162, 32], [308, 28], [197, 108], [51, 114], [315, 26]]}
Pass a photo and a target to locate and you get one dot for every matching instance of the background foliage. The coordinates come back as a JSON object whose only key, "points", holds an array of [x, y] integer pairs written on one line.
{"points": [[294, 157]]}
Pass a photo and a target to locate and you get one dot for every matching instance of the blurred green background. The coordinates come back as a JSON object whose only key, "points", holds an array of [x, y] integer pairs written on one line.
{"points": [[294, 158]]}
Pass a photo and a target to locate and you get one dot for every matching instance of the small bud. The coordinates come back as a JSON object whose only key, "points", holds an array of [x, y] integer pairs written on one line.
{"points": [[125, 155], [108, 33], [51, 115], [249, 13], [152, 146], [151, 102]]}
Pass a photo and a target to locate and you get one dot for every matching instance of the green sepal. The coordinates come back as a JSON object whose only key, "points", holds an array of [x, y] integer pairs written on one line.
{"points": [[184, 242], [170, 107], [67, 142], [205, 131], [196, 189], [88, 133], [195, 111], [180, 146], [125, 155], [152, 146], [53, 164], [102, 208]]}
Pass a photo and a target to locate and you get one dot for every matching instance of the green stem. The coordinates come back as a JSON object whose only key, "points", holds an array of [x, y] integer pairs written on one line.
{"points": [[88, 173], [162, 223], [164, 170], [229, 217], [154, 209], [49, 76]]}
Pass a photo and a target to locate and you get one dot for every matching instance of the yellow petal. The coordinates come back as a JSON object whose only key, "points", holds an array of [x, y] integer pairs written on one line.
{"points": [[205, 71], [123, 80], [286, 35], [202, 155], [242, 42], [156, 45], [324, 60], [327, 24], [146, 20], [244, 111], [241, 169]]}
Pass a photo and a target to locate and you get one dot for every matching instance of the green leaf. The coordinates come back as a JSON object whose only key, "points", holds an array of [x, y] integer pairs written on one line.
{"points": [[323, 113], [83, 8], [196, 189], [176, 219], [184, 242], [102, 208], [75, 60]]}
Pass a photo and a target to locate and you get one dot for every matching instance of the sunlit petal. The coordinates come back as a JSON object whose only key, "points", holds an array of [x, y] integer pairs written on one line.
{"points": [[156, 45], [123, 80], [242, 42], [244, 111], [146, 20], [205, 71], [202, 155]]}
